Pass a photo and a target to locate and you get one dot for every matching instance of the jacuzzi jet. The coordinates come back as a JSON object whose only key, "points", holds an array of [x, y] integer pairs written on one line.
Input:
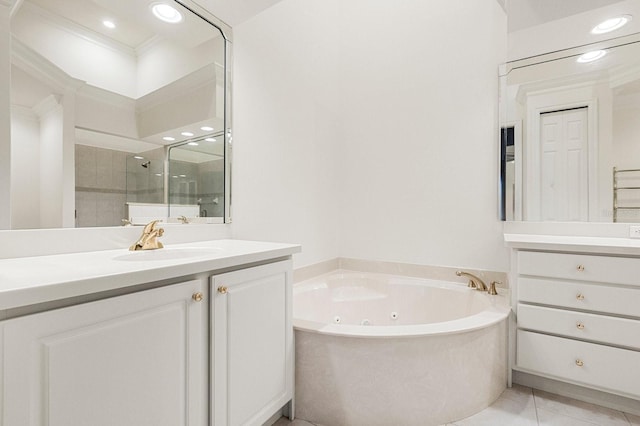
{"points": [[394, 315], [365, 322], [336, 319]]}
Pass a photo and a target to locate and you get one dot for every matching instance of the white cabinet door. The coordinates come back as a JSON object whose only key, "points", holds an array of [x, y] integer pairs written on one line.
{"points": [[252, 344], [133, 360]]}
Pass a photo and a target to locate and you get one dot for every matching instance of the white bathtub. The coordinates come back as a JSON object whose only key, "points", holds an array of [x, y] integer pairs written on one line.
{"points": [[429, 352]]}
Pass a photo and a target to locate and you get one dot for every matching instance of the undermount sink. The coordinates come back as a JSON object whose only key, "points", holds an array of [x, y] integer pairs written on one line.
{"points": [[172, 253]]}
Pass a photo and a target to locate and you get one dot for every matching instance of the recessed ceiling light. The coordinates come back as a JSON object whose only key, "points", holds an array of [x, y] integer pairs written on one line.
{"points": [[591, 56], [109, 24], [166, 13], [168, 138], [159, 174], [186, 134], [206, 128], [210, 139], [137, 157], [611, 24], [183, 175], [174, 177], [193, 143]]}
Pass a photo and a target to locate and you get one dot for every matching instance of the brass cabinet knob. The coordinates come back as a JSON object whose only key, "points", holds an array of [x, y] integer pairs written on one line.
{"points": [[579, 362], [580, 268], [222, 289], [197, 297], [580, 326], [580, 296]]}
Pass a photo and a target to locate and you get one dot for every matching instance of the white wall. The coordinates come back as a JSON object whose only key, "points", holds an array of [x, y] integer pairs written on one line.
{"points": [[420, 156], [368, 129], [5, 119], [51, 174], [25, 169], [286, 128]]}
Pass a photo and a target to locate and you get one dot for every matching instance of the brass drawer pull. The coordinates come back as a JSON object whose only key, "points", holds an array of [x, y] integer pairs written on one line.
{"points": [[197, 297], [222, 289], [580, 296], [580, 268], [579, 362], [580, 326]]}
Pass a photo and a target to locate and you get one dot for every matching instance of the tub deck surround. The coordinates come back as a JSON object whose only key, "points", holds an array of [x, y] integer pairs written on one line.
{"points": [[31, 280], [392, 306], [445, 360], [443, 273]]}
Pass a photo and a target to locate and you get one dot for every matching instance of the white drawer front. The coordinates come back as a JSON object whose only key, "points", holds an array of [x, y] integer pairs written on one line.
{"points": [[603, 367], [608, 269], [577, 295], [598, 328]]}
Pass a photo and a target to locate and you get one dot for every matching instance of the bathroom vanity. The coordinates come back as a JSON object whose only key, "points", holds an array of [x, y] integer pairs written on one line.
{"points": [[193, 334], [577, 304]]}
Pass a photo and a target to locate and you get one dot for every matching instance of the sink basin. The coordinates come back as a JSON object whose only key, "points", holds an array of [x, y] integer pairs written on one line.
{"points": [[173, 253]]}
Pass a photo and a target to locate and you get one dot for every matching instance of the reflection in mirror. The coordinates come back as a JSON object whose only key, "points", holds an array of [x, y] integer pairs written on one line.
{"points": [[571, 122], [196, 179], [108, 98]]}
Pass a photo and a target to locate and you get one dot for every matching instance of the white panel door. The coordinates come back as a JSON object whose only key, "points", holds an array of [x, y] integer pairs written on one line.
{"points": [[564, 170], [134, 360], [253, 344]]}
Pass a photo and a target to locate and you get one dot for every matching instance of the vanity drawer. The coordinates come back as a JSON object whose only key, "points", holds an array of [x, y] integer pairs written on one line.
{"points": [[608, 269], [590, 364], [579, 325], [579, 295]]}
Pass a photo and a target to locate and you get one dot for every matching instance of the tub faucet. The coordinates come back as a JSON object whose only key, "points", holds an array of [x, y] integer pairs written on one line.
{"points": [[149, 238], [183, 219], [474, 281]]}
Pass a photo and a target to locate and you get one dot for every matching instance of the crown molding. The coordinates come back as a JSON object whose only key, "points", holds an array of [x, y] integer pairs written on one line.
{"points": [[41, 68]]}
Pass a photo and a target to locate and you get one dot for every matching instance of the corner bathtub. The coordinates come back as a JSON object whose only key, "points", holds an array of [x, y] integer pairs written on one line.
{"points": [[375, 349]]}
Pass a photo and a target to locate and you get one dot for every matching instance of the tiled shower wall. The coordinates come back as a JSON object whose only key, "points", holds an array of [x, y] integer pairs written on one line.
{"points": [[101, 183]]}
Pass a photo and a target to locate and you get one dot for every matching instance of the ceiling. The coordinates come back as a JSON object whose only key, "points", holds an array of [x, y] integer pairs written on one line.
{"points": [[528, 13], [234, 12], [135, 23]]}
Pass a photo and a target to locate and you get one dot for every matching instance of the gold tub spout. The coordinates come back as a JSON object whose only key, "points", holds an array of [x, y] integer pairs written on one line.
{"points": [[474, 281], [149, 238]]}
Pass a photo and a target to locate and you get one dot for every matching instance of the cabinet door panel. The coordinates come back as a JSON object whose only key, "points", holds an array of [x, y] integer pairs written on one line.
{"points": [[253, 344], [131, 360]]}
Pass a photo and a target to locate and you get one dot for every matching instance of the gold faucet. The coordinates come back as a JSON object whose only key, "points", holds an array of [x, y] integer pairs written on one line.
{"points": [[149, 238], [474, 281], [183, 219]]}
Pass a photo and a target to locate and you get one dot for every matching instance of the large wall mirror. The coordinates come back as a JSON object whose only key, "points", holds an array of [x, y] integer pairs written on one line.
{"points": [[119, 110], [569, 117]]}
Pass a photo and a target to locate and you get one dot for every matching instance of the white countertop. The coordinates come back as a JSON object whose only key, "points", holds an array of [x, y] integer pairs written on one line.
{"points": [[587, 244], [29, 280]]}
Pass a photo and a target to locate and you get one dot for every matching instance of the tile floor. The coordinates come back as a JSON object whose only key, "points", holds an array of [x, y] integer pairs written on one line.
{"points": [[522, 406]]}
